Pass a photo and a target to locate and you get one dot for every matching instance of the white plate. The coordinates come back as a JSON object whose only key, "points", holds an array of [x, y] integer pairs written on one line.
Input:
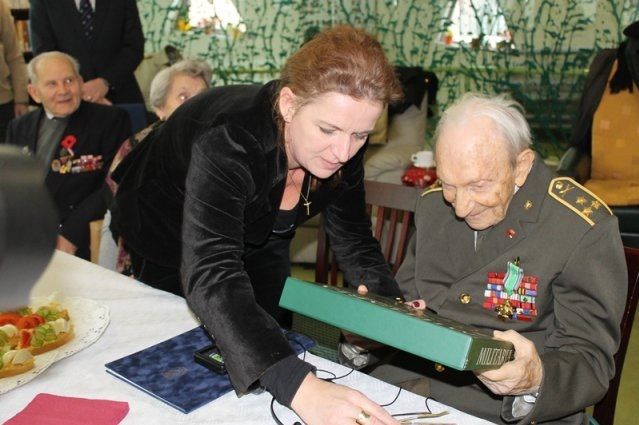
{"points": [[89, 320]]}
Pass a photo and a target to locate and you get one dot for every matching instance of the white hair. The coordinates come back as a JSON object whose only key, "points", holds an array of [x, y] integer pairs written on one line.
{"points": [[33, 63], [504, 112], [163, 79]]}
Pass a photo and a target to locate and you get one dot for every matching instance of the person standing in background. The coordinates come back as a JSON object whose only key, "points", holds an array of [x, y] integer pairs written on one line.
{"points": [[13, 72], [105, 36]]}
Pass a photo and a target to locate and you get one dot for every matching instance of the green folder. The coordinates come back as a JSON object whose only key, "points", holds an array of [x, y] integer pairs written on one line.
{"points": [[422, 333]]}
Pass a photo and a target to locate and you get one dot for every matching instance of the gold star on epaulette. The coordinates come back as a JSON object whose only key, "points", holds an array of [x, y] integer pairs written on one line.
{"points": [[578, 199], [562, 188]]}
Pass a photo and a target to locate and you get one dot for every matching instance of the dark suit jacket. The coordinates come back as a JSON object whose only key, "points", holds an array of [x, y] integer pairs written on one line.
{"points": [[218, 158], [114, 53], [79, 198], [569, 240]]}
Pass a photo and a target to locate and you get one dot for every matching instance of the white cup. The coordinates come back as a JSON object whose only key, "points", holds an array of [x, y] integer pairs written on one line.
{"points": [[423, 159]]}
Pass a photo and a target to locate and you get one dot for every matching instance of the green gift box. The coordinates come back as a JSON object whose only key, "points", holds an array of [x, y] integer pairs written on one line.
{"points": [[419, 332]]}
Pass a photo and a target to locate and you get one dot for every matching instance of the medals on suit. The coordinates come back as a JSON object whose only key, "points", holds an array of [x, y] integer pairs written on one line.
{"points": [[86, 163], [511, 294], [67, 164], [63, 163]]}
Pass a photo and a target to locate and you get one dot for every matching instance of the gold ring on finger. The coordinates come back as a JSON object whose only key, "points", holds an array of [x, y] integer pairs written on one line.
{"points": [[363, 418]]}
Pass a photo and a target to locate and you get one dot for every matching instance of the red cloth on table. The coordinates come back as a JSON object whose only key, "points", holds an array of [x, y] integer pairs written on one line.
{"points": [[50, 409]]}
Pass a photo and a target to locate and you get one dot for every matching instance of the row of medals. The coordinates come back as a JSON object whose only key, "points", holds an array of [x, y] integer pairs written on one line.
{"points": [[65, 163]]}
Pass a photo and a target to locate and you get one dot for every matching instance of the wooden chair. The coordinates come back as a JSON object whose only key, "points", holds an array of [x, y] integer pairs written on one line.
{"points": [[95, 234], [604, 411], [391, 207]]}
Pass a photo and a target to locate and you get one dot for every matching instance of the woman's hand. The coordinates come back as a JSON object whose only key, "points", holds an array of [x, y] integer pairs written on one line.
{"points": [[321, 402], [417, 304]]}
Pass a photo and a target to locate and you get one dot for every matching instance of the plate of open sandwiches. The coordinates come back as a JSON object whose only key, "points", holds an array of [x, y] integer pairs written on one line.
{"points": [[49, 329]]}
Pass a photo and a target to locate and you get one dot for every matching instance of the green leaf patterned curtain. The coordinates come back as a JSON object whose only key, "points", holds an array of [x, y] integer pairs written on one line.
{"points": [[555, 41]]}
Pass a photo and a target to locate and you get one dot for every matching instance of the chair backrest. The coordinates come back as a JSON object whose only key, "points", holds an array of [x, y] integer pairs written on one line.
{"points": [[137, 114], [604, 411], [391, 207], [95, 234]]}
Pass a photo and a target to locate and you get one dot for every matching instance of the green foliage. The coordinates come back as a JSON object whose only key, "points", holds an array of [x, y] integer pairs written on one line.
{"points": [[554, 42]]}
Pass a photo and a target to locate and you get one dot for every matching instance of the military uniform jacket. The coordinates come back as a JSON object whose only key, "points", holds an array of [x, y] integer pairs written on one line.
{"points": [[565, 238]]}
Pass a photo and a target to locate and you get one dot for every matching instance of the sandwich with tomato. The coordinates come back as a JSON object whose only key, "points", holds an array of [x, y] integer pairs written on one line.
{"points": [[37, 331], [13, 361]]}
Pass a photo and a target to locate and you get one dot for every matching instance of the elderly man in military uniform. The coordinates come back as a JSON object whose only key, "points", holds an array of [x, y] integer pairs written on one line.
{"points": [[505, 245]]}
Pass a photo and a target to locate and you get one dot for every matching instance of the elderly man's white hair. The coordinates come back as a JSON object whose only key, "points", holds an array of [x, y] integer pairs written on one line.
{"points": [[33, 63], [504, 112]]}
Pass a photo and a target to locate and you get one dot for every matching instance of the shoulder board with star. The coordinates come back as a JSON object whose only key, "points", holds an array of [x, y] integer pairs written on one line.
{"points": [[435, 187], [580, 200]]}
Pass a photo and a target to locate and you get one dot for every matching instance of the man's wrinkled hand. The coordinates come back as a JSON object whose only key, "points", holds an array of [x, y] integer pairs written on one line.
{"points": [[520, 376], [95, 90], [20, 109]]}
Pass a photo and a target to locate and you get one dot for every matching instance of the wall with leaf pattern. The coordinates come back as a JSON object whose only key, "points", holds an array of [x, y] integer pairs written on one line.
{"points": [[554, 43]]}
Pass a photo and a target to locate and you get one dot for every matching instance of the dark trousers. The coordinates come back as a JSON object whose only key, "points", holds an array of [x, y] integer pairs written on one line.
{"points": [[156, 275], [6, 115], [84, 246]]}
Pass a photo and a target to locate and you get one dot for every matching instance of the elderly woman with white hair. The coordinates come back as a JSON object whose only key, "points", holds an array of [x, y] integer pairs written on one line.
{"points": [[170, 88], [173, 86]]}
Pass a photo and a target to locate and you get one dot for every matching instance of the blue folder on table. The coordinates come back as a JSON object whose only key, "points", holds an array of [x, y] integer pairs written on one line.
{"points": [[168, 371]]}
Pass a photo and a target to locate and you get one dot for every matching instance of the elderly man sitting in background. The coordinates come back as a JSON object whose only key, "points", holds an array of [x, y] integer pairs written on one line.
{"points": [[505, 245], [76, 142]]}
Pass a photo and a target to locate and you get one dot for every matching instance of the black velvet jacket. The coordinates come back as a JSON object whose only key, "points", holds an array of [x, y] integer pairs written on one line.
{"points": [[219, 156]]}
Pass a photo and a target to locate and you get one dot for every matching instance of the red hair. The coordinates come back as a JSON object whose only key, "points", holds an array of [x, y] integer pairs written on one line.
{"points": [[345, 60]]}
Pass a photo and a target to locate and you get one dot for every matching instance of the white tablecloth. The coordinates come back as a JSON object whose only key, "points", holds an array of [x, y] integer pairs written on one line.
{"points": [[142, 316]]}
